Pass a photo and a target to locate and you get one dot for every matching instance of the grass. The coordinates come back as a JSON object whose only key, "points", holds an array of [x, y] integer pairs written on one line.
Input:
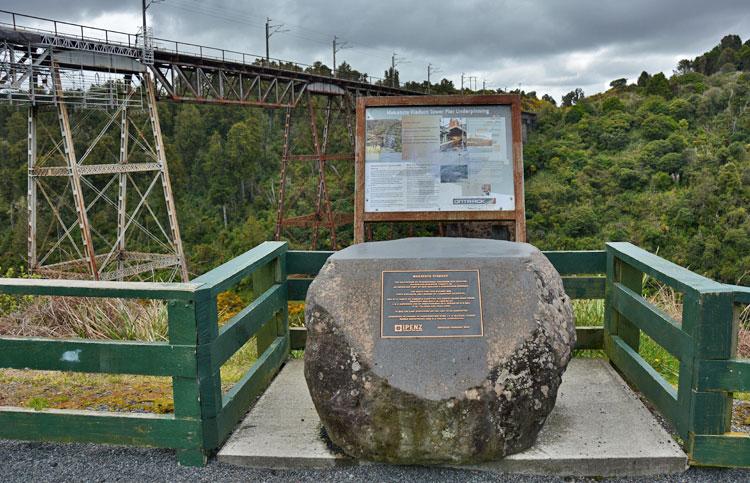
{"points": [[88, 318], [111, 319], [588, 313]]}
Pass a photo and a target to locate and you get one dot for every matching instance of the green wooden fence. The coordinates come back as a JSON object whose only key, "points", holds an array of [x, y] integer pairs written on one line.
{"points": [[203, 415], [704, 343]]}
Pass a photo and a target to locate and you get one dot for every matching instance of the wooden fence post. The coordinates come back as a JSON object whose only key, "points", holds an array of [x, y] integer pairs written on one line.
{"points": [[263, 279], [710, 318], [183, 330], [614, 322], [207, 318]]}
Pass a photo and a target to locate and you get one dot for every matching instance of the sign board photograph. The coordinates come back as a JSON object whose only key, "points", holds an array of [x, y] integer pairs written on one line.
{"points": [[439, 158]]}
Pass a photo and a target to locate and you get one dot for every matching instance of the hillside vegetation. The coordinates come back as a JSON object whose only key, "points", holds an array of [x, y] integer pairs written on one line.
{"points": [[662, 163]]}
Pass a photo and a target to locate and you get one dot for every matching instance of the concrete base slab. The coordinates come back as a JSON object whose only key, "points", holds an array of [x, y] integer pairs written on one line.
{"points": [[599, 427]]}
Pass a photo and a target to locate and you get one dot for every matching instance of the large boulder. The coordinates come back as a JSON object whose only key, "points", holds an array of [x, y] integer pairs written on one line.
{"points": [[479, 394]]}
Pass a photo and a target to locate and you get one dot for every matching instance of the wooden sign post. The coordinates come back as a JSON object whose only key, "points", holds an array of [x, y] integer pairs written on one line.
{"points": [[439, 158]]}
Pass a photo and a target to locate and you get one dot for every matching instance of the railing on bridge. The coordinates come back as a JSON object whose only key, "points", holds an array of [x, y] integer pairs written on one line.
{"points": [[40, 25], [704, 342]]}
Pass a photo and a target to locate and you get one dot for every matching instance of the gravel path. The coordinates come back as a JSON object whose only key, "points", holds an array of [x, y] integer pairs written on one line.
{"points": [[31, 462], [740, 416]]}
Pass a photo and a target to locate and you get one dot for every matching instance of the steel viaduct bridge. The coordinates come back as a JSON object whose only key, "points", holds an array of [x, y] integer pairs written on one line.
{"points": [[71, 69]]}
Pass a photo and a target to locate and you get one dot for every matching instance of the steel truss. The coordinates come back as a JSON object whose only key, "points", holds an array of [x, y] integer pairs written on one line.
{"points": [[90, 184], [337, 107]]}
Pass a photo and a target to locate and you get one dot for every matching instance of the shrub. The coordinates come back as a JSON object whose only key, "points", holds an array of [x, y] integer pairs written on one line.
{"points": [[662, 181], [611, 104], [654, 150], [658, 126], [671, 163]]}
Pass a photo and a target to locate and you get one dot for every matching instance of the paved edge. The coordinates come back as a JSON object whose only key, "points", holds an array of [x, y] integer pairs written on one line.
{"points": [[276, 453]]}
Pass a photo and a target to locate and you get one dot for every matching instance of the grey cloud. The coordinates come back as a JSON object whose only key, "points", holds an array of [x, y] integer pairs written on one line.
{"points": [[493, 37]]}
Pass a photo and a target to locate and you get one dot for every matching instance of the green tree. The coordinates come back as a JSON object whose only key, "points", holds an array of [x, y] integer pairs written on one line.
{"points": [[658, 85], [658, 126], [643, 79], [550, 99], [573, 97], [618, 83], [684, 66]]}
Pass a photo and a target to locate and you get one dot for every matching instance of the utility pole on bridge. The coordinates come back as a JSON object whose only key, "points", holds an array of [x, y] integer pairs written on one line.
{"points": [[431, 69], [337, 47], [394, 62], [270, 30], [147, 45]]}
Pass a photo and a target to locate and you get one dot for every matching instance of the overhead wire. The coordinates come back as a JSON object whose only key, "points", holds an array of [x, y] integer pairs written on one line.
{"points": [[245, 18]]}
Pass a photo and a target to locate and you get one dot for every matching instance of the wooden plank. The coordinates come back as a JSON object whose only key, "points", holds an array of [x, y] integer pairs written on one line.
{"points": [[206, 317], [240, 328], [183, 330], [227, 275], [729, 375], [297, 288], [263, 279], [447, 216], [589, 338], [663, 270], [98, 356], [578, 262], [716, 329], [306, 262], [163, 431], [711, 412], [646, 379], [650, 319], [239, 398], [610, 324], [298, 338], [728, 450], [631, 278], [741, 294], [89, 288], [584, 287]]}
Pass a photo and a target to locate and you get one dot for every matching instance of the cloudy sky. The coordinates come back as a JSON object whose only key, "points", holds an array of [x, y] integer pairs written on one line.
{"points": [[548, 46]]}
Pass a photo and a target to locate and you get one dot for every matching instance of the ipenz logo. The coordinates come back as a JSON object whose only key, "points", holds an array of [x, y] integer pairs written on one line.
{"points": [[407, 328]]}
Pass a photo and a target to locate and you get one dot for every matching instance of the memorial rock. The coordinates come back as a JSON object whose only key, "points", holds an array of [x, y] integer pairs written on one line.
{"points": [[436, 350]]}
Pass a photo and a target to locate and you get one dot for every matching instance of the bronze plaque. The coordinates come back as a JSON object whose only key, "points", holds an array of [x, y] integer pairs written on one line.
{"points": [[430, 303]]}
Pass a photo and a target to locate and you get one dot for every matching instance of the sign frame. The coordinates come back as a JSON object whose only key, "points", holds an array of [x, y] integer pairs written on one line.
{"points": [[517, 216]]}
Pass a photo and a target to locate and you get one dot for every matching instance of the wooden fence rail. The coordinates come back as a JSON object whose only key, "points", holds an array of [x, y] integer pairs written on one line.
{"points": [[196, 348]]}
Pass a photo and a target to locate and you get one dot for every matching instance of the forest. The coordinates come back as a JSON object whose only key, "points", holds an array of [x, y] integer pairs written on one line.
{"points": [[662, 163]]}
